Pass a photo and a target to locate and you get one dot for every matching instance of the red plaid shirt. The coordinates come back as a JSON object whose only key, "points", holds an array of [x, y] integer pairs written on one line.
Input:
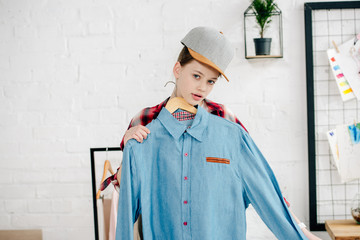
{"points": [[146, 115]]}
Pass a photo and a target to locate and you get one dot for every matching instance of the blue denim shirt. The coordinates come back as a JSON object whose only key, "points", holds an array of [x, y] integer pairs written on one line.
{"points": [[195, 182]]}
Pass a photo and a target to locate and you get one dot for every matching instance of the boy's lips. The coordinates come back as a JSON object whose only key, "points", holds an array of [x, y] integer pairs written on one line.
{"points": [[196, 97]]}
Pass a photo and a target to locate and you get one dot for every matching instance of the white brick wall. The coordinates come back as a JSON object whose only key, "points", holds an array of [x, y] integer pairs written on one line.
{"points": [[73, 73]]}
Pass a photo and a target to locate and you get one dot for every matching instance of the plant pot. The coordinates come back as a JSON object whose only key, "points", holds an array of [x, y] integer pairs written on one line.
{"points": [[262, 46]]}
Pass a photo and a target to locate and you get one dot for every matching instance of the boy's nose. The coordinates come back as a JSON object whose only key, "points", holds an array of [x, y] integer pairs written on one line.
{"points": [[202, 86]]}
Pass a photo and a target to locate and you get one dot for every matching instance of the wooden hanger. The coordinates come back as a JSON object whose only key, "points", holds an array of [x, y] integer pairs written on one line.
{"points": [[107, 167], [177, 102]]}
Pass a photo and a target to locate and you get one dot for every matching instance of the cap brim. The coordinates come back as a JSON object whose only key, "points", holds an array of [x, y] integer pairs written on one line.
{"points": [[206, 61]]}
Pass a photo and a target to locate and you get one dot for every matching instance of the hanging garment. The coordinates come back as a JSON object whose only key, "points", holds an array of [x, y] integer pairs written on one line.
{"points": [[148, 114], [101, 221], [113, 214], [196, 182], [103, 209]]}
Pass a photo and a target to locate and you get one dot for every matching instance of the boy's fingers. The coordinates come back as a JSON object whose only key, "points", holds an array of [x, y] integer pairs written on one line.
{"points": [[145, 129], [139, 137], [136, 138], [143, 133]]}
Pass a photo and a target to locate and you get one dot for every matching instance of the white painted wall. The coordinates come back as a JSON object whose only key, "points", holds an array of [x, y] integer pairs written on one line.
{"points": [[73, 73]]}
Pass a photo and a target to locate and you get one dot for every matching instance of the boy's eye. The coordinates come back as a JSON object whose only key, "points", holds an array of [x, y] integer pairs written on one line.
{"points": [[196, 76], [211, 82]]}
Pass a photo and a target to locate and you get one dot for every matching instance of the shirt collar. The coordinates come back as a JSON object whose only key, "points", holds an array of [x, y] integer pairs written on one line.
{"points": [[176, 128]]}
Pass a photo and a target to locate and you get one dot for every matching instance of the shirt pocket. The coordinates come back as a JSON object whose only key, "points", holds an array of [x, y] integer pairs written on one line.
{"points": [[217, 160]]}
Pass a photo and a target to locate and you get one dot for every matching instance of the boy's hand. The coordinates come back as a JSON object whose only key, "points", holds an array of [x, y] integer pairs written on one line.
{"points": [[139, 133]]}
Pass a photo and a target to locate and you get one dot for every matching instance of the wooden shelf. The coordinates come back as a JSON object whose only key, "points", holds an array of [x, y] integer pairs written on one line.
{"points": [[29, 234], [343, 229], [264, 56]]}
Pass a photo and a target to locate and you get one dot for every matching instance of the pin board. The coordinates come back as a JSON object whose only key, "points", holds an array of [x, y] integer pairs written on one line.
{"points": [[330, 105]]}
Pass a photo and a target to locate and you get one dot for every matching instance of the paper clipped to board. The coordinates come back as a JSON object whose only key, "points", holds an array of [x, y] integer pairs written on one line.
{"points": [[344, 143], [344, 87], [345, 64], [331, 135]]}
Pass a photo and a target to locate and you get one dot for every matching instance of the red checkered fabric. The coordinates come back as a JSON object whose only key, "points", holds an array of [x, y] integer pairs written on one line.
{"points": [[146, 115], [183, 116]]}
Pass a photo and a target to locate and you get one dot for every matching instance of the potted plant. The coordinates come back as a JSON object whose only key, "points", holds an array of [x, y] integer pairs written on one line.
{"points": [[263, 10]]}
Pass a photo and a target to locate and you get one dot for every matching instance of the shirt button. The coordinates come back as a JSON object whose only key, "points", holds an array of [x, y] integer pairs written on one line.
{"points": [[186, 154], [185, 202], [185, 178], [185, 223]]}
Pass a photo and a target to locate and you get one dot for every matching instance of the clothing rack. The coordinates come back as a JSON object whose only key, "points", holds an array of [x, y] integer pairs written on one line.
{"points": [[93, 183]]}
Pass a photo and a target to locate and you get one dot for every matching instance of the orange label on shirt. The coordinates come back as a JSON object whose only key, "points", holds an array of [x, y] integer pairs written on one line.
{"points": [[218, 160]]}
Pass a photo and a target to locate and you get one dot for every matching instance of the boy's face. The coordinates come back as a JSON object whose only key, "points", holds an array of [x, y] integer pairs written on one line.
{"points": [[194, 81]]}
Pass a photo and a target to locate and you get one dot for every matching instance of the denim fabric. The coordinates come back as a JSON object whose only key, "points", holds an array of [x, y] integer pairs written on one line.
{"points": [[196, 183]]}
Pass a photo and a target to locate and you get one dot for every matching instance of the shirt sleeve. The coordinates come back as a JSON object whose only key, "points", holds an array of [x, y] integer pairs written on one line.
{"points": [[263, 192], [128, 208]]}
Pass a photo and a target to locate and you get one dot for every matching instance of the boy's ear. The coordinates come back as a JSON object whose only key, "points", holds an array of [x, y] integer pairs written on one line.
{"points": [[177, 70]]}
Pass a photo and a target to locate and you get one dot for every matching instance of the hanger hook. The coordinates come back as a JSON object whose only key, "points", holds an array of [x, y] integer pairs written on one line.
{"points": [[169, 82], [107, 154]]}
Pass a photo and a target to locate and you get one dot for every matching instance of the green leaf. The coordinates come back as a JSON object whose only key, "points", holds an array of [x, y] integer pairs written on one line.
{"points": [[263, 10]]}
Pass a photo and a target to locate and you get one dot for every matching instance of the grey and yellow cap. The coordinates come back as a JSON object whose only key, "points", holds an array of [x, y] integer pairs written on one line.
{"points": [[209, 46]]}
